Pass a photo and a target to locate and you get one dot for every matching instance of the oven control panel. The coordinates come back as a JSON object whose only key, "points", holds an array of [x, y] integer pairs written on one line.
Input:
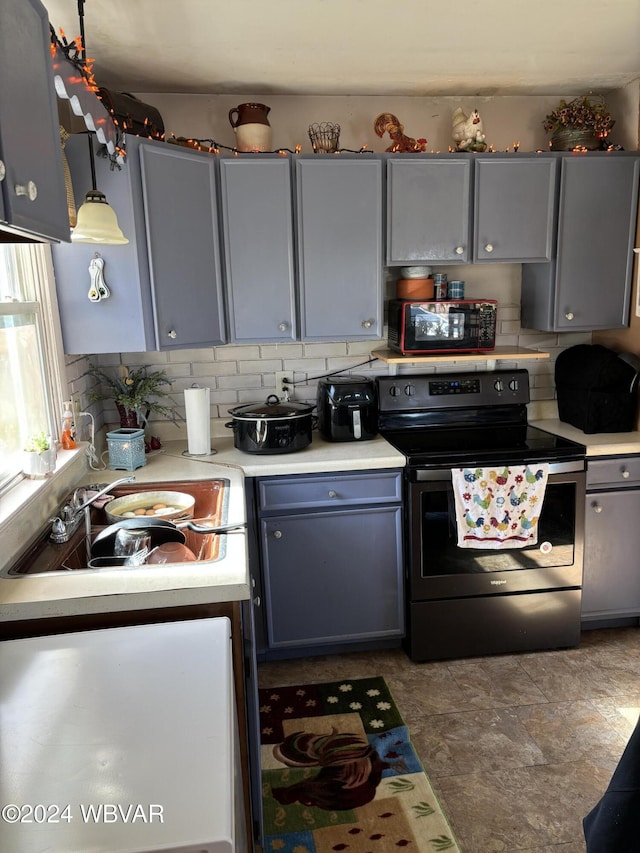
{"points": [[443, 391], [454, 386]]}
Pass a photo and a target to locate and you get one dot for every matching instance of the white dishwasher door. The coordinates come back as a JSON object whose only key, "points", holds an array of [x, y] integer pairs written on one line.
{"points": [[119, 740]]}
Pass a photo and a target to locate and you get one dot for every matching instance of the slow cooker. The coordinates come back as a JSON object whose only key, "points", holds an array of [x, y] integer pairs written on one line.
{"points": [[274, 426]]}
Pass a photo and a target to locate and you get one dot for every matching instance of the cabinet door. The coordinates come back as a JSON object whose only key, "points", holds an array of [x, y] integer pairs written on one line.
{"points": [[124, 321], [257, 225], [428, 209], [33, 190], [514, 208], [179, 193], [598, 202], [611, 582], [333, 577], [339, 226], [588, 285]]}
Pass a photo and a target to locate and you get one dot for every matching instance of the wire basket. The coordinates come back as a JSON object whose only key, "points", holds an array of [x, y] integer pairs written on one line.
{"points": [[324, 137]]}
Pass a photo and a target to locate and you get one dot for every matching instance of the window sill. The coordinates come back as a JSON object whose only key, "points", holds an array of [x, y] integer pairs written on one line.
{"points": [[25, 509]]}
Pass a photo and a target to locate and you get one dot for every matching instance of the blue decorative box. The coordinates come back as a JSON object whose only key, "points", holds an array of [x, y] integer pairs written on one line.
{"points": [[126, 449]]}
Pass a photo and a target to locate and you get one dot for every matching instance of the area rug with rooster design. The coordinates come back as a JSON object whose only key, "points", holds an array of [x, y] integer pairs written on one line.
{"points": [[339, 773]]}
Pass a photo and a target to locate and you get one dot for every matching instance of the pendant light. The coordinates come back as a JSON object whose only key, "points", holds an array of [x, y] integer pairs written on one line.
{"points": [[96, 221]]}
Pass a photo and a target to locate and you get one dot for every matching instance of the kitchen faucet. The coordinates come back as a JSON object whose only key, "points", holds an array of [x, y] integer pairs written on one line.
{"points": [[65, 524]]}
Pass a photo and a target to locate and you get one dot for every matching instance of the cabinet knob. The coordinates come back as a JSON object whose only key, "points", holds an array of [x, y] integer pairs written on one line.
{"points": [[257, 601], [569, 315], [277, 534], [29, 189], [489, 247], [172, 334], [625, 474], [332, 494], [597, 507], [367, 324], [3, 170], [459, 250], [283, 327]]}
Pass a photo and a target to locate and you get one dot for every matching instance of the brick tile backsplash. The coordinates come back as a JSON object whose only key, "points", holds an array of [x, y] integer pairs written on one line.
{"points": [[245, 373]]}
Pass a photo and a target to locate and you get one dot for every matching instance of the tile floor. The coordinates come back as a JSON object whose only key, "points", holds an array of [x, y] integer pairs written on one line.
{"points": [[518, 747]]}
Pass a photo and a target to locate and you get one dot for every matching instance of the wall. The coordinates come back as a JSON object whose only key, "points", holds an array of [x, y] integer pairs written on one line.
{"points": [[243, 374], [505, 119]]}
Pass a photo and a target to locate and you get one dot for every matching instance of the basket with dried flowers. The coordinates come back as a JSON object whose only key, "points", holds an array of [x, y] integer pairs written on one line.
{"points": [[580, 124]]}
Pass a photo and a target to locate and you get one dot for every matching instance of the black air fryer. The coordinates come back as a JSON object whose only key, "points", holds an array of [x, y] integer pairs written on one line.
{"points": [[597, 388], [347, 408]]}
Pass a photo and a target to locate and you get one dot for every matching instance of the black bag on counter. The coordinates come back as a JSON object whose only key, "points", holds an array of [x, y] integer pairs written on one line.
{"points": [[132, 115], [597, 388]]}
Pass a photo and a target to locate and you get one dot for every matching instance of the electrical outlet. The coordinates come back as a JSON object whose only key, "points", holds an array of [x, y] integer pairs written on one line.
{"points": [[282, 383]]}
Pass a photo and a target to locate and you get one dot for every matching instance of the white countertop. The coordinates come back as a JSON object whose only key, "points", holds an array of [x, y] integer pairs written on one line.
{"points": [[227, 579], [597, 444]]}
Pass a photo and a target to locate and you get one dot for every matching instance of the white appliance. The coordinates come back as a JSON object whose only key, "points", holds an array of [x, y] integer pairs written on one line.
{"points": [[121, 740]]}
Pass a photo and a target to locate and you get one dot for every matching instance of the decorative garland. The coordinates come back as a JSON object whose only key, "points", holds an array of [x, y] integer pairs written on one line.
{"points": [[211, 146], [73, 52]]}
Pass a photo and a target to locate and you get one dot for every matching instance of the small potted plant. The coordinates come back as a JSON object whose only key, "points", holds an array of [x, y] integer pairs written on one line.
{"points": [[581, 124], [39, 456], [136, 394]]}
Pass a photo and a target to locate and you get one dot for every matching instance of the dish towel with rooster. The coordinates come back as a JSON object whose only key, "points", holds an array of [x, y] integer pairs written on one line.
{"points": [[499, 507]]}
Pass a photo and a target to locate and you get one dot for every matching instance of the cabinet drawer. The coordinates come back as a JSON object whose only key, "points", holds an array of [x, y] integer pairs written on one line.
{"points": [[295, 493], [621, 471]]}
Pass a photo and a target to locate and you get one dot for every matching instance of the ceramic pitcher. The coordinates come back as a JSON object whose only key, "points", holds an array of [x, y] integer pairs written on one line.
{"points": [[251, 127]]}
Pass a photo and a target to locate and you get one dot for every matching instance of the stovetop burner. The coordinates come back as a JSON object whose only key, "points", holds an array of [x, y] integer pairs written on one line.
{"points": [[466, 419], [478, 445]]}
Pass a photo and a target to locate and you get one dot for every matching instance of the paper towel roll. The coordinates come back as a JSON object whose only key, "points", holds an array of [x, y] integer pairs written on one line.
{"points": [[196, 401]]}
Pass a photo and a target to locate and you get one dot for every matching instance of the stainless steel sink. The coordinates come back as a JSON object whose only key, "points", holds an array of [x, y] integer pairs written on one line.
{"points": [[211, 499]]}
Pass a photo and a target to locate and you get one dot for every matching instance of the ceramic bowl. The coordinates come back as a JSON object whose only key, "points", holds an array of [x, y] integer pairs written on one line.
{"points": [[415, 272], [414, 288], [171, 552], [165, 505]]}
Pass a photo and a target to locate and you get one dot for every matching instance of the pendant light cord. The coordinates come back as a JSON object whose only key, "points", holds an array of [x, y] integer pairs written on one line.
{"points": [[91, 160]]}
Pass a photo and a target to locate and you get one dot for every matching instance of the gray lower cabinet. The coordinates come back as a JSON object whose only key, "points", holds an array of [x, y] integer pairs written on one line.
{"points": [[587, 286], [257, 226], [428, 209], [331, 553], [514, 204], [32, 190], [166, 283], [611, 581], [339, 238]]}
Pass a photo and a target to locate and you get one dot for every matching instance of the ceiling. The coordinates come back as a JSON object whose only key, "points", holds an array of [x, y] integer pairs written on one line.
{"points": [[358, 47]]}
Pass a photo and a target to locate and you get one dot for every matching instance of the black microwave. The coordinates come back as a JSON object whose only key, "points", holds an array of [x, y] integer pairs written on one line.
{"points": [[442, 325]]}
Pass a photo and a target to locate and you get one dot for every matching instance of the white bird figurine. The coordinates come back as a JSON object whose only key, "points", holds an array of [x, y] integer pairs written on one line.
{"points": [[468, 131]]}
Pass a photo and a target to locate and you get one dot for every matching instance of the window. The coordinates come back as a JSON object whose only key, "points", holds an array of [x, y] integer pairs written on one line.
{"points": [[31, 361]]}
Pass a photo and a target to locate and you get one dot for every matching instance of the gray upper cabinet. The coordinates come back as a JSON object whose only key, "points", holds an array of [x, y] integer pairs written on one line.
{"points": [[165, 284], [32, 190], [124, 321], [257, 226], [339, 230], [587, 286], [180, 208], [514, 208], [428, 209]]}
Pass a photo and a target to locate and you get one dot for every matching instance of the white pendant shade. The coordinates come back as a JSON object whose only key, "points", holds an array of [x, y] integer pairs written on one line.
{"points": [[97, 222]]}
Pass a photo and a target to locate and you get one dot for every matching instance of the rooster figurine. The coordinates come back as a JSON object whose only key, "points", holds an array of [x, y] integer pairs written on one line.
{"points": [[468, 133], [388, 123]]}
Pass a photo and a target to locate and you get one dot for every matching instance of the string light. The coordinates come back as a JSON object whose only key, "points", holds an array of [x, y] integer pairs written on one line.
{"points": [[211, 146]]}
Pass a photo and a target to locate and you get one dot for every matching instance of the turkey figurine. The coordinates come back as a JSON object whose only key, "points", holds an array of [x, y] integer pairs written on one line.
{"points": [[468, 132]]}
